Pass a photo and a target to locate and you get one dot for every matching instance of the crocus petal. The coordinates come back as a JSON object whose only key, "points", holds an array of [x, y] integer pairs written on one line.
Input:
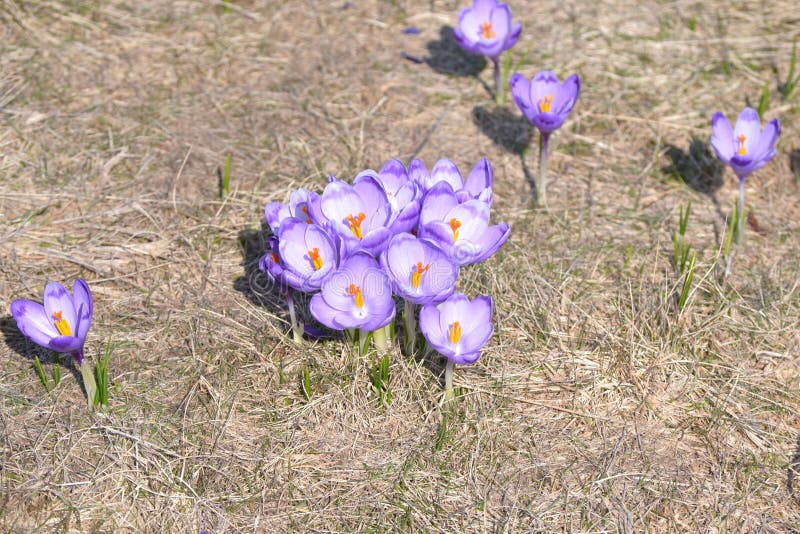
{"points": [[393, 176], [274, 213], [437, 203], [514, 37], [765, 149], [82, 297], [430, 325], [33, 321], [446, 171], [418, 173], [722, 136], [492, 239], [544, 84], [567, 96], [477, 324], [58, 302], [521, 91], [65, 344], [480, 178], [501, 24], [339, 200], [749, 125]]}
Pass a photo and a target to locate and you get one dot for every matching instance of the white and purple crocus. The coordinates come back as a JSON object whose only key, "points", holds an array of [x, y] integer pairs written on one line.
{"points": [[61, 324], [546, 103], [487, 29], [745, 148]]}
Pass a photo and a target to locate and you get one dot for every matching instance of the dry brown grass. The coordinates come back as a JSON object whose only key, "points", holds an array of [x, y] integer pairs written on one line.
{"points": [[596, 408]]}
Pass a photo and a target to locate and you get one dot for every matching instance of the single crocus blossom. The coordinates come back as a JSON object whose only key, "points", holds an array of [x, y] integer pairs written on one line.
{"points": [[546, 103], [487, 29], [745, 147], [306, 255], [357, 295], [460, 229], [404, 194], [478, 184], [458, 329], [61, 323], [360, 214], [419, 271]]}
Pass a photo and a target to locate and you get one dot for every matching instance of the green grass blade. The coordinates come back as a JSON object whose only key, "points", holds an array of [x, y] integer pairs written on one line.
{"points": [[42, 376]]}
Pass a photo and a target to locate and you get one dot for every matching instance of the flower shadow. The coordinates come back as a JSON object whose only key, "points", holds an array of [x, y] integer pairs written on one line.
{"points": [[447, 57], [698, 168], [794, 163], [17, 342]]}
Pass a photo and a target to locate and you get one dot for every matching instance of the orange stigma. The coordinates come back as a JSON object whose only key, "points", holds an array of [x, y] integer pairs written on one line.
{"points": [[308, 217], [275, 257], [455, 333], [355, 224], [315, 257], [546, 104], [487, 31], [742, 148], [356, 292], [61, 324], [455, 224], [416, 276]]}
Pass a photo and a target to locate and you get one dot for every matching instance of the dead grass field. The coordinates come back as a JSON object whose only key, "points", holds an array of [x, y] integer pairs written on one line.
{"points": [[598, 407]]}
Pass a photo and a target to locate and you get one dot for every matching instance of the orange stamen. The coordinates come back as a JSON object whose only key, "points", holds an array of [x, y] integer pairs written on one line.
{"points": [[546, 104], [455, 333], [416, 276], [315, 257], [356, 292], [355, 224], [61, 324], [455, 224], [742, 148], [308, 217], [487, 31], [275, 257]]}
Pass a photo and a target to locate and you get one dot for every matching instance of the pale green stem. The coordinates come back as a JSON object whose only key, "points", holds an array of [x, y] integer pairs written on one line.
{"points": [[87, 373], [363, 338], [379, 338], [499, 97], [544, 140], [449, 394], [410, 326], [297, 329], [741, 215]]}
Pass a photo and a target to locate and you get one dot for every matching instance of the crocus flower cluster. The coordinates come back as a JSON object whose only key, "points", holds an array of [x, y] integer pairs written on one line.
{"points": [[398, 233]]}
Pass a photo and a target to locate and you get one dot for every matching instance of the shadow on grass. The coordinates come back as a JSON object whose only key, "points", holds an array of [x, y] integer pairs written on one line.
{"points": [[794, 163], [262, 291], [447, 57], [510, 131], [29, 350], [698, 168]]}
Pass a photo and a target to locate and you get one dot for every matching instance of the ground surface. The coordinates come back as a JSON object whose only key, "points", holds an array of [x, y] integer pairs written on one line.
{"points": [[597, 407]]}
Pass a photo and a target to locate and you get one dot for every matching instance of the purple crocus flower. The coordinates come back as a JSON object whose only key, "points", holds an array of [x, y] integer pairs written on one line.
{"points": [[477, 186], [461, 230], [745, 147], [419, 271], [458, 328], [305, 256], [486, 28], [299, 202], [62, 323], [546, 103], [404, 194], [361, 214], [358, 295]]}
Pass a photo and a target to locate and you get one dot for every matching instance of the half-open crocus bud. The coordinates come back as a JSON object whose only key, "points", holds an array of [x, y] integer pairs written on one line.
{"points": [[62, 323], [419, 271], [458, 328], [544, 101], [478, 184], [357, 295], [745, 147]]}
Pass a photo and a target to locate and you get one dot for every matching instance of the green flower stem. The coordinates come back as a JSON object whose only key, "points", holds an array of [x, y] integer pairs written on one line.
{"points": [[410, 327], [544, 140], [449, 394], [297, 329], [379, 338], [87, 373], [499, 97], [741, 215], [363, 340]]}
